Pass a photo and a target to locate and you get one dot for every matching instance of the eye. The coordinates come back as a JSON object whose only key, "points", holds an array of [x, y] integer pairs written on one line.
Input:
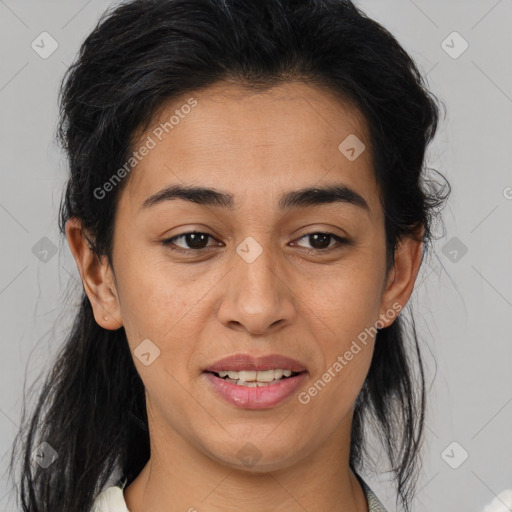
{"points": [[196, 241], [320, 241]]}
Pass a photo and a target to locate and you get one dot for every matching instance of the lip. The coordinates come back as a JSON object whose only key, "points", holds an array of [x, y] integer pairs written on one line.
{"points": [[239, 362], [263, 397]]}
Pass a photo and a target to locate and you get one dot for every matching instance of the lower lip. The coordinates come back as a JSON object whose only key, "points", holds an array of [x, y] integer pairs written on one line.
{"points": [[262, 397]]}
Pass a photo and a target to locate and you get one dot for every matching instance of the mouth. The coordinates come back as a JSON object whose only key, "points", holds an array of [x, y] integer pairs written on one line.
{"points": [[253, 382], [251, 378]]}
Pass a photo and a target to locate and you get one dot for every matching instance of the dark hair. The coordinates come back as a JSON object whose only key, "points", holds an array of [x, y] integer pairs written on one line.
{"points": [[142, 53]]}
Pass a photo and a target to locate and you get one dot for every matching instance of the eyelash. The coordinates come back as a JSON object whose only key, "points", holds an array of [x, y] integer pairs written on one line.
{"points": [[169, 242]]}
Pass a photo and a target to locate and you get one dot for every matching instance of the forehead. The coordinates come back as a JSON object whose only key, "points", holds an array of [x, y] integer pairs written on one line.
{"points": [[289, 136]]}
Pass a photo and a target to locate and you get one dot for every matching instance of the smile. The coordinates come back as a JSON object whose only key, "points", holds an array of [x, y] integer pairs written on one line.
{"points": [[255, 381]]}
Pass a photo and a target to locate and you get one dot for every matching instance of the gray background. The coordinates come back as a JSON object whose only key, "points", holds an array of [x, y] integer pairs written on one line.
{"points": [[463, 301]]}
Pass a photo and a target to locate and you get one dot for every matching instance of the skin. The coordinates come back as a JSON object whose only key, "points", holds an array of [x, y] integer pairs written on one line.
{"points": [[198, 309]]}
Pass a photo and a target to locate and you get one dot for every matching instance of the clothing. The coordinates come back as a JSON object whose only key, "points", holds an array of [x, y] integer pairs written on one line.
{"points": [[112, 498]]}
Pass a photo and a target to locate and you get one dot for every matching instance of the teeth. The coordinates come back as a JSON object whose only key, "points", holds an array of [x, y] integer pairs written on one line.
{"points": [[255, 377], [263, 376], [247, 376]]}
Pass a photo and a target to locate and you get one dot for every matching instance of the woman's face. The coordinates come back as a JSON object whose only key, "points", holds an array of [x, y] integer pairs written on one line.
{"points": [[266, 274]]}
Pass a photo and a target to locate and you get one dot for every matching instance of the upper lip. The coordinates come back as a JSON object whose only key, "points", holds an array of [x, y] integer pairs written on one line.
{"points": [[239, 362]]}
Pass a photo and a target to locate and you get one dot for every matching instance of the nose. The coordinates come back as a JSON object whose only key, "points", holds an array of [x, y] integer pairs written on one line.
{"points": [[257, 297]]}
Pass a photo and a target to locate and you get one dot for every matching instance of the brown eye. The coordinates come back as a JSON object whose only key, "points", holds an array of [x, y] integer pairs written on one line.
{"points": [[321, 241], [194, 241]]}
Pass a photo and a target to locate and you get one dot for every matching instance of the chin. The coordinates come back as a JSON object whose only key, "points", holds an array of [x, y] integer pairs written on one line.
{"points": [[258, 455]]}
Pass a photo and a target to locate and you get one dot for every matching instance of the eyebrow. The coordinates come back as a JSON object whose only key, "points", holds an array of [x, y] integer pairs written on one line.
{"points": [[311, 196]]}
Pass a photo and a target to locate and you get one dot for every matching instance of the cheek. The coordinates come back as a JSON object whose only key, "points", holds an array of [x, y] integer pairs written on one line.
{"points": [[349, 299], [159, 304], [349, 307], [347, 347], [348, 304]]}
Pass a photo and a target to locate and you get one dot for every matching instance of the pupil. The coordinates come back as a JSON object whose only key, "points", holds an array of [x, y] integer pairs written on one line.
{"points": [[320, 236], [193, 240]]}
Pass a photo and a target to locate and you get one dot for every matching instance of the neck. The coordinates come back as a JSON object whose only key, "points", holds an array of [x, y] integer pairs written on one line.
{"points": [[180, 478]]}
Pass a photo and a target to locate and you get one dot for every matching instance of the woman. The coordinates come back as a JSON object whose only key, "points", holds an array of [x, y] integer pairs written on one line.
{"points": [[222, 357]]}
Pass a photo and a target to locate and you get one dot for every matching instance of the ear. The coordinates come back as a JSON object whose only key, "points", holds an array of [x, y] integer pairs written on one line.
{"points": [[402, 276], [97, 277]]}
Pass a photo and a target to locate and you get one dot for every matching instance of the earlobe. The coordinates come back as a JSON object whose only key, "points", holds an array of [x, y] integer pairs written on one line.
{"points": [[97, 277], [402, 277]]}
